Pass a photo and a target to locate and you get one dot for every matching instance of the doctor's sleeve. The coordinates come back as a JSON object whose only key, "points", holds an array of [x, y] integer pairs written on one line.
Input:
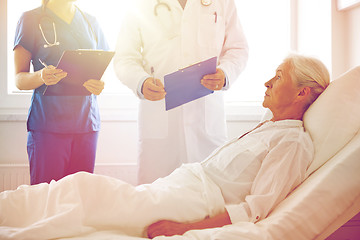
{"points": [[128, 60], [235, 51], [281, 171]]}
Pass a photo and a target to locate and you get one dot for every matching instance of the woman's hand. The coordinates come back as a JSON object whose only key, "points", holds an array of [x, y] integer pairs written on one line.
{"points": [[26, 80], [94, 86], [167, 228], [51, 75], [170, 228]]}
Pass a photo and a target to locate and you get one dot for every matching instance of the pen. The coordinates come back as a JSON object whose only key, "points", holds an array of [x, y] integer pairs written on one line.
{"points": [[45, 65], [152, 74], [215, 14]]}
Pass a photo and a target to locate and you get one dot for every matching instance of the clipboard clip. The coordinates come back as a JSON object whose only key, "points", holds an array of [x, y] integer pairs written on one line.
{"points": [[90, 50], [194, 64], [80, 51], [184, 68]]}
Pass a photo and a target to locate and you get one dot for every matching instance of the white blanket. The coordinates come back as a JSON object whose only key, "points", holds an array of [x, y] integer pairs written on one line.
{"points": [[84, 203], [305, 214]]}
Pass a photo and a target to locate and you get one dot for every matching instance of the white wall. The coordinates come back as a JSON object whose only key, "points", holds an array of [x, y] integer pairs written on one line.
{"points": [[116, 152], [314, 29], [117, 140], [353, 36], [345, 38]]}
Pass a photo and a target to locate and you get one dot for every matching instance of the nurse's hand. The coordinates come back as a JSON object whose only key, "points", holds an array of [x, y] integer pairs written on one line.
{"points": [[52, 75], [153, 92], [94, 86], [214, 81]]}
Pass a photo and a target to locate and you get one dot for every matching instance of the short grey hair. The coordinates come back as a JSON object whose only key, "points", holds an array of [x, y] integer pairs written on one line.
{"points": [[308, 72]]}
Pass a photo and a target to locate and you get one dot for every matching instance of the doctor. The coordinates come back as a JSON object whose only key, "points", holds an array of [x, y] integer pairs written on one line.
{"points": [[159, 37]]}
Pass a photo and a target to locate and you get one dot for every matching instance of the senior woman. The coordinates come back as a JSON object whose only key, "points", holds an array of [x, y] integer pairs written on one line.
{"points": [[241, 181]]}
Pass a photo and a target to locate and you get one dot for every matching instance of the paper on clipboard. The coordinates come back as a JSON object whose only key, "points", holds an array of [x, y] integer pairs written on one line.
{"points": [[80, 65], [184, 86]]}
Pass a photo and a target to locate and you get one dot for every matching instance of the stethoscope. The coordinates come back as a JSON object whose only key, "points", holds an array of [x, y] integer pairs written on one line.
{"points": [[48, 44], [56, 42], [160, 3]]}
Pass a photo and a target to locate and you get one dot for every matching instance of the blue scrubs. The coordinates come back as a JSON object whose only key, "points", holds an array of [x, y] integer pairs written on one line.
{"points": [[62, 130]]}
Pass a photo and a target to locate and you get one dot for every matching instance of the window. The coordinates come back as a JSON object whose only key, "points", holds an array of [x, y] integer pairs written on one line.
{"points": [[115, 94], [267, 28], [271, 27]]}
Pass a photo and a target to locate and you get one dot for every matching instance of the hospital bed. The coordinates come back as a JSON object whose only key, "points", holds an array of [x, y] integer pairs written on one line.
{"points": [[328, 198]]}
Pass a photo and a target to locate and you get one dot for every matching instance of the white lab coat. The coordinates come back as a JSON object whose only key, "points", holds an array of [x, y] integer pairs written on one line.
{"points": [[169, 41]]}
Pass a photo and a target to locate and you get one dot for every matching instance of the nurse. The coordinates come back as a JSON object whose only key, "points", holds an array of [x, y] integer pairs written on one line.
{"points": [[62, 130], [164, 36]]}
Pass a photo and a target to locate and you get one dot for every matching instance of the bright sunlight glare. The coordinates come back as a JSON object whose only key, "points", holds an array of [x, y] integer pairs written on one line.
{"points": [[267, 46]]}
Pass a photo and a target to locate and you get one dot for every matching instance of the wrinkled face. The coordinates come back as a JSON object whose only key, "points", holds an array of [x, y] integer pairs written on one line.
{"points": [[281, 90]]}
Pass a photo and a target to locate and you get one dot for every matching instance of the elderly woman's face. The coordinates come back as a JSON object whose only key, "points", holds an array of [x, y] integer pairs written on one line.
{"points": [[281, 90]]}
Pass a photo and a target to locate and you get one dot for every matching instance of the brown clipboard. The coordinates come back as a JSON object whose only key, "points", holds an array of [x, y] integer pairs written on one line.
{"points": [[80, 65]]}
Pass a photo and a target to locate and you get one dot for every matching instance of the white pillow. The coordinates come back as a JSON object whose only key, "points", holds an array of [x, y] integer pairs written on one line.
{"points": [[334, 118]]}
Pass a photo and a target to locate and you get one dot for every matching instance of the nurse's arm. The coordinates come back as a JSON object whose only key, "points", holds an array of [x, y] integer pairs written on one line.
{"points": [[170, 228], [27, 81]]}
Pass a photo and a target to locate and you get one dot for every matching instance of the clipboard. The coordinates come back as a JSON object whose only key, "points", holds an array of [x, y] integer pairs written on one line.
{"points": [[80, 65], [184, 85]]}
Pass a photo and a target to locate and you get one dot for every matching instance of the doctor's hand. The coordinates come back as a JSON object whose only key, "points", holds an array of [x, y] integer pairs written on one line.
{"points": [[94, 86], [167, 228], [151, 91], [214, 81], [51, 75]]}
